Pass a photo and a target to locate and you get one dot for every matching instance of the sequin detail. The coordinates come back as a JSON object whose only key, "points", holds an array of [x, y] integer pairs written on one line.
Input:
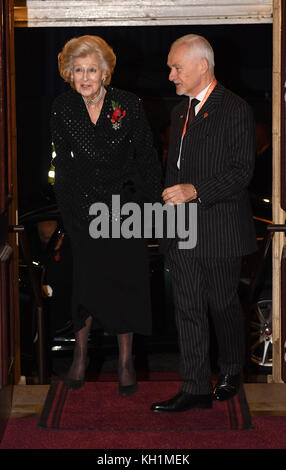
{"points": [[93, 162]]}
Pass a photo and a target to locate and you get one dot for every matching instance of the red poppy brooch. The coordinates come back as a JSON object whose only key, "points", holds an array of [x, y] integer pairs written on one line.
{"points": [[117, 115]]}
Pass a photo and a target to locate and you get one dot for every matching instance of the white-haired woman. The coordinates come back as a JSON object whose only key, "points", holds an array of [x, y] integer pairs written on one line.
{"points": [[104, 148]]}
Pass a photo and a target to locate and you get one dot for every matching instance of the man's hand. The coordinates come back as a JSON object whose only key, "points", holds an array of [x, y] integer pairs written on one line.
{"points": [[179, 194]]}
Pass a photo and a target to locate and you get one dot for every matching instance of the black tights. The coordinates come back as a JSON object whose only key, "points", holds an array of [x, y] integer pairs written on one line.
{"points": [[77, 370], [126, 371]]}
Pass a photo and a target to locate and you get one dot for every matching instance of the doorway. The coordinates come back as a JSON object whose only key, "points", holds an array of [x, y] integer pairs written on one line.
{"points": [[243, 63]]}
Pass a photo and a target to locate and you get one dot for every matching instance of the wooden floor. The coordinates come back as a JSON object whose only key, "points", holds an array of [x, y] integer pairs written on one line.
{"points": [[263, 399]]}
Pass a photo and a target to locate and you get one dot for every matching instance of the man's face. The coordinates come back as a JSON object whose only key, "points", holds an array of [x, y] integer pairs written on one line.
{"points": [[185, 70]]}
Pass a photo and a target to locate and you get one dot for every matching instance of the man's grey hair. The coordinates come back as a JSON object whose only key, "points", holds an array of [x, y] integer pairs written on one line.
{"points": [[201, 45]]}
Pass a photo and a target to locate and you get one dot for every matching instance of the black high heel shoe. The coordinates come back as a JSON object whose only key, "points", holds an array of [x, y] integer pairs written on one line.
{"points": [[76, 384], [73, 384], [128, 389]]}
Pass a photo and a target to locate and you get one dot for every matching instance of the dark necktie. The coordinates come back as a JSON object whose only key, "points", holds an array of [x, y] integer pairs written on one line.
{"points": [[191, 116]]}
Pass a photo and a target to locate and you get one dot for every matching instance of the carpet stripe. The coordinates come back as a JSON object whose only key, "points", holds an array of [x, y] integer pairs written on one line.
{"points": [[232, 414], [59, 405], [244, 411], [48, 407], [98, 406], [52, 411]]}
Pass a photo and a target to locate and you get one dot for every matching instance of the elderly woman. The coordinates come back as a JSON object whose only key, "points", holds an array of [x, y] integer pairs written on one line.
{"points": [[104, 148]]}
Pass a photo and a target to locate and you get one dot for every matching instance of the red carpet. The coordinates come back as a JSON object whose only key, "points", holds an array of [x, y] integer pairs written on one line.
{"points": [[98, 406], [269, 432], [266, 432]]}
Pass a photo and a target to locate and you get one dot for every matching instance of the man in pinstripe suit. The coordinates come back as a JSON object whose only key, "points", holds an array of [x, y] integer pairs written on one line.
{"points": [[210, 163]]}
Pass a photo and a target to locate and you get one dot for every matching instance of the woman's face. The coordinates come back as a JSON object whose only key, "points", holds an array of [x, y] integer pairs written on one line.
{"points": [[87, 76]]}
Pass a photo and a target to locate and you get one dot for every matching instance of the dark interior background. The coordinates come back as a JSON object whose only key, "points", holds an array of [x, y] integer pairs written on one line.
{"points": [[243, 56]]}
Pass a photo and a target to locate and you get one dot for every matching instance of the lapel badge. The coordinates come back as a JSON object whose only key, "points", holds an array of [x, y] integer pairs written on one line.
{"points": [[206, 115]]}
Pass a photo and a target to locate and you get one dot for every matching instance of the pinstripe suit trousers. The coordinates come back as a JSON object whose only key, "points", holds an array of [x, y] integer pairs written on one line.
{"points": [[203, 287]]}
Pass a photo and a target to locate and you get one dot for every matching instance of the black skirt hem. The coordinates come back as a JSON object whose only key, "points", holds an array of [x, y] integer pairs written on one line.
{"points": [[82, 314]]}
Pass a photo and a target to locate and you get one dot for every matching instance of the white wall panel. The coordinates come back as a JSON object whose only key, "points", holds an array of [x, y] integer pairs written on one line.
{"points": [[140, 12]]}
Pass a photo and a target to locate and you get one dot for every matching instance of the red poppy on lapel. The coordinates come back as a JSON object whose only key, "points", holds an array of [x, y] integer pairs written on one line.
{"points": [[206, 115]]}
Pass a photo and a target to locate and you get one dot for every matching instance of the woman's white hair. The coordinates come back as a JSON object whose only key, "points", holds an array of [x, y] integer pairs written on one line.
{"points": [[81, 47], [200, 45]]}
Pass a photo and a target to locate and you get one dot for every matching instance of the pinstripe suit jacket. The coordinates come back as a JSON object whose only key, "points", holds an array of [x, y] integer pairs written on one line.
{"points": [[217, 156]]}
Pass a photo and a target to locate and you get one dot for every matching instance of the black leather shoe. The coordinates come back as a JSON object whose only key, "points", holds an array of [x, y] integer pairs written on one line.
{"points": [[227, 386], [183, 402]]}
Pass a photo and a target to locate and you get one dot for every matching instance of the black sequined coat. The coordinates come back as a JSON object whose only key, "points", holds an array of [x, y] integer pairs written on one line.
{"points": [[95, 161], [115, 156]]}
